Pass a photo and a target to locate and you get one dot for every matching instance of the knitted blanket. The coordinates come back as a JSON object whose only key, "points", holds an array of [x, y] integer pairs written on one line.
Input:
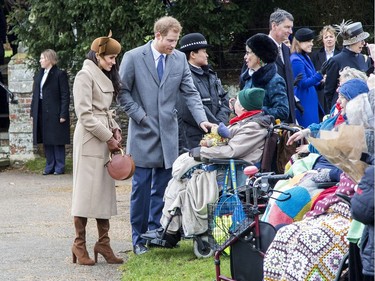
{"points": [[292, 198], [310, 249]]}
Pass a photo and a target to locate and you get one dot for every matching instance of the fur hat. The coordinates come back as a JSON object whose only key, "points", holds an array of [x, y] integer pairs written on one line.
{"points": [[193, 41], [251, 99], [352, 88], [263, 47], [106, 45], [351, 32], [304, 34]]}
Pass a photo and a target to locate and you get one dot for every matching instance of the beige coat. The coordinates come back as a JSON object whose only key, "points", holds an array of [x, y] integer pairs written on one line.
{"points": [[94, 193]]}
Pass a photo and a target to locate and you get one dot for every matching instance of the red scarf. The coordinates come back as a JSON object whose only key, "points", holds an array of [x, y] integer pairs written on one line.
{"points": [[244, 116], [340, 119]]}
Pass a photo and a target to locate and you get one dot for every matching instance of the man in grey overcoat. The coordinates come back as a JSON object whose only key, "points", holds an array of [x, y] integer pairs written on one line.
{"points": [[152, 76]]}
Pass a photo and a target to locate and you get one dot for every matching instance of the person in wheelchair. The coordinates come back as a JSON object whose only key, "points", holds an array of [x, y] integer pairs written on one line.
{"points": [[313, 248], [245, 139], [312, 173]]}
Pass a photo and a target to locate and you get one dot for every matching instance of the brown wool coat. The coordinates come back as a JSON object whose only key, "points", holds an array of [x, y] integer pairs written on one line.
{"points": [[94, 193]]}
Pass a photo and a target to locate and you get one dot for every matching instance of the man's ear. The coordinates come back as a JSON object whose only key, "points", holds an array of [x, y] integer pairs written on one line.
{"points": [[158, 36]]}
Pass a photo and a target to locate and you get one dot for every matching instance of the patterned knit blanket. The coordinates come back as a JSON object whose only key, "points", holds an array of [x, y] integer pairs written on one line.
{"points": [[310, 249]]}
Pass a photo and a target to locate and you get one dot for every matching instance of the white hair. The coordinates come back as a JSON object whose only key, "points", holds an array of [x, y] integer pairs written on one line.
{"points": [[359, 112]]}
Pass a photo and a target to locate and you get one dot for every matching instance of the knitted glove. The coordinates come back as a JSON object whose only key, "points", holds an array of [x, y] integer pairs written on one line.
{"points": [[322, 176], [223, 130], [195, 153]]}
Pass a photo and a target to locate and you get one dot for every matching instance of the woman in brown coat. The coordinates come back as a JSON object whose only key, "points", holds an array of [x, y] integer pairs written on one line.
{"points": [[96, 134]]}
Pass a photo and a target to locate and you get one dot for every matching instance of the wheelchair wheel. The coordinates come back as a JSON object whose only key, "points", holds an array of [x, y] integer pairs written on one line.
{"points": [[343, 272], [202, 247]]}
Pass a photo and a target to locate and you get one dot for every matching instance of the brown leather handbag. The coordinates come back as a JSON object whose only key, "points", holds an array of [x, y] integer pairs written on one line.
{"points": [[120, 166]]}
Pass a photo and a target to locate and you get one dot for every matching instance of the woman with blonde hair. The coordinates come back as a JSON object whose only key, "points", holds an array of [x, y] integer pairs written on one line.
{"points": [[50, 112], [306, 77], [327, 36]]}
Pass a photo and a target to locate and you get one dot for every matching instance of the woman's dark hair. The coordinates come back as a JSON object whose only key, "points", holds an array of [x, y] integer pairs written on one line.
{"points": [[112, 75]]}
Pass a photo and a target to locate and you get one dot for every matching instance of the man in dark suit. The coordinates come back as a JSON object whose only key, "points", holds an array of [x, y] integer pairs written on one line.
{"points": [[281, 25], [152, 76]]}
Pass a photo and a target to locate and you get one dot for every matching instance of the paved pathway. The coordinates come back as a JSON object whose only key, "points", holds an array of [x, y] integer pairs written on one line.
{"points": [[36, 230]]}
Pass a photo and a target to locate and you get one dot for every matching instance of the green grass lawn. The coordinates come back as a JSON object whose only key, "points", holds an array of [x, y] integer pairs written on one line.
{"points": [[172, 265], [37, 165]]}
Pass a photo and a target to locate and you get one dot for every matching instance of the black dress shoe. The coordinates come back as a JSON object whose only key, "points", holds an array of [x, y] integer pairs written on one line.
{"points": [[140, 249], [45, 173]]}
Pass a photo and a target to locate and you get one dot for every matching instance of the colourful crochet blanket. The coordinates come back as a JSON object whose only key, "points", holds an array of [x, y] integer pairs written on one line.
{"points": [[292, 198]]}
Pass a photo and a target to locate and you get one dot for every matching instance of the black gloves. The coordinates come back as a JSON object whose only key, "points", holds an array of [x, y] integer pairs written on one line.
{"points": [[297, 79], [299, 106]]}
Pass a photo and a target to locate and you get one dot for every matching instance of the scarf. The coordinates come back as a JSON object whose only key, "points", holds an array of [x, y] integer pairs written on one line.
{"points": [[243, 116]]}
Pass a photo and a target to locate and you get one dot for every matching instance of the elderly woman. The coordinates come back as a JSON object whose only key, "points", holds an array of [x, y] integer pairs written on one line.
{"points": [[312, 249], [314, 169], [246, 138], [261, 54], [353, 42]]}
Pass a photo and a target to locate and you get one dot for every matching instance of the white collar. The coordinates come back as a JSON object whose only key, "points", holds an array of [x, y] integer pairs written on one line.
{"points": [[155, 52]]}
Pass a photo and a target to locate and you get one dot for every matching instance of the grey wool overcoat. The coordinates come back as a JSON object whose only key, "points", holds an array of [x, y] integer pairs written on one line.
{"points": [[94, 193], [154, 142]]}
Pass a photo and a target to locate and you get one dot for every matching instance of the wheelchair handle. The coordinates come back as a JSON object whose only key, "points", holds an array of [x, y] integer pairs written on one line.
{"points": [[273, 176], [287, 128]]}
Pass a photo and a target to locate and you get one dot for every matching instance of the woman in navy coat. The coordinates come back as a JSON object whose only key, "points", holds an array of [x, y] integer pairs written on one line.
{"points": [[304, 72], [50, 112]]}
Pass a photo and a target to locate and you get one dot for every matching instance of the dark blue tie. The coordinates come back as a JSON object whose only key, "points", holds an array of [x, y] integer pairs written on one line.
{"points": [[160, 68]]}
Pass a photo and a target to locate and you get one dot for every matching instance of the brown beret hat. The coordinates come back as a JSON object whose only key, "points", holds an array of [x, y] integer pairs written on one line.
{"points": [[106, 45]]}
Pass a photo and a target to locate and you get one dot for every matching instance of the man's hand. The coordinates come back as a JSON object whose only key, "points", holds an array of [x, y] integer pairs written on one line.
{"points": [[205, 125]]}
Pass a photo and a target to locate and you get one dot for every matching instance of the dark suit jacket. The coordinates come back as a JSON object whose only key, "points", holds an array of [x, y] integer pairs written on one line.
{"points": [[285, 71], [318, 58], [55, 105]]}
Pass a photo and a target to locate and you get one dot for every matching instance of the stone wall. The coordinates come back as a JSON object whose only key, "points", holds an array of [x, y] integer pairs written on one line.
{"points": [[20, 82]]}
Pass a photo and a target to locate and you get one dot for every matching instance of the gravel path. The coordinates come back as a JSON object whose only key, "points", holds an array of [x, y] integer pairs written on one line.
{"points": [[36, 230]]}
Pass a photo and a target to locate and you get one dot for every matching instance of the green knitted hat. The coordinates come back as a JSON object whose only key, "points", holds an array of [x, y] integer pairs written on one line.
{"points": [[251, 99]]}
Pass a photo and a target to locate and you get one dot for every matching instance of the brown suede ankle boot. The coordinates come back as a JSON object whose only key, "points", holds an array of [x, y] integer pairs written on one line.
{"points": [[79, 246], [102, 246]]}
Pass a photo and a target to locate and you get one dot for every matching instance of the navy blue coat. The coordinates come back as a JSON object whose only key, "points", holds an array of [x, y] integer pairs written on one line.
{"points": [[337, 63], [318, 58], [55, 105], [285, 71], [215, 104], [275, 101], [362, 205]]}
